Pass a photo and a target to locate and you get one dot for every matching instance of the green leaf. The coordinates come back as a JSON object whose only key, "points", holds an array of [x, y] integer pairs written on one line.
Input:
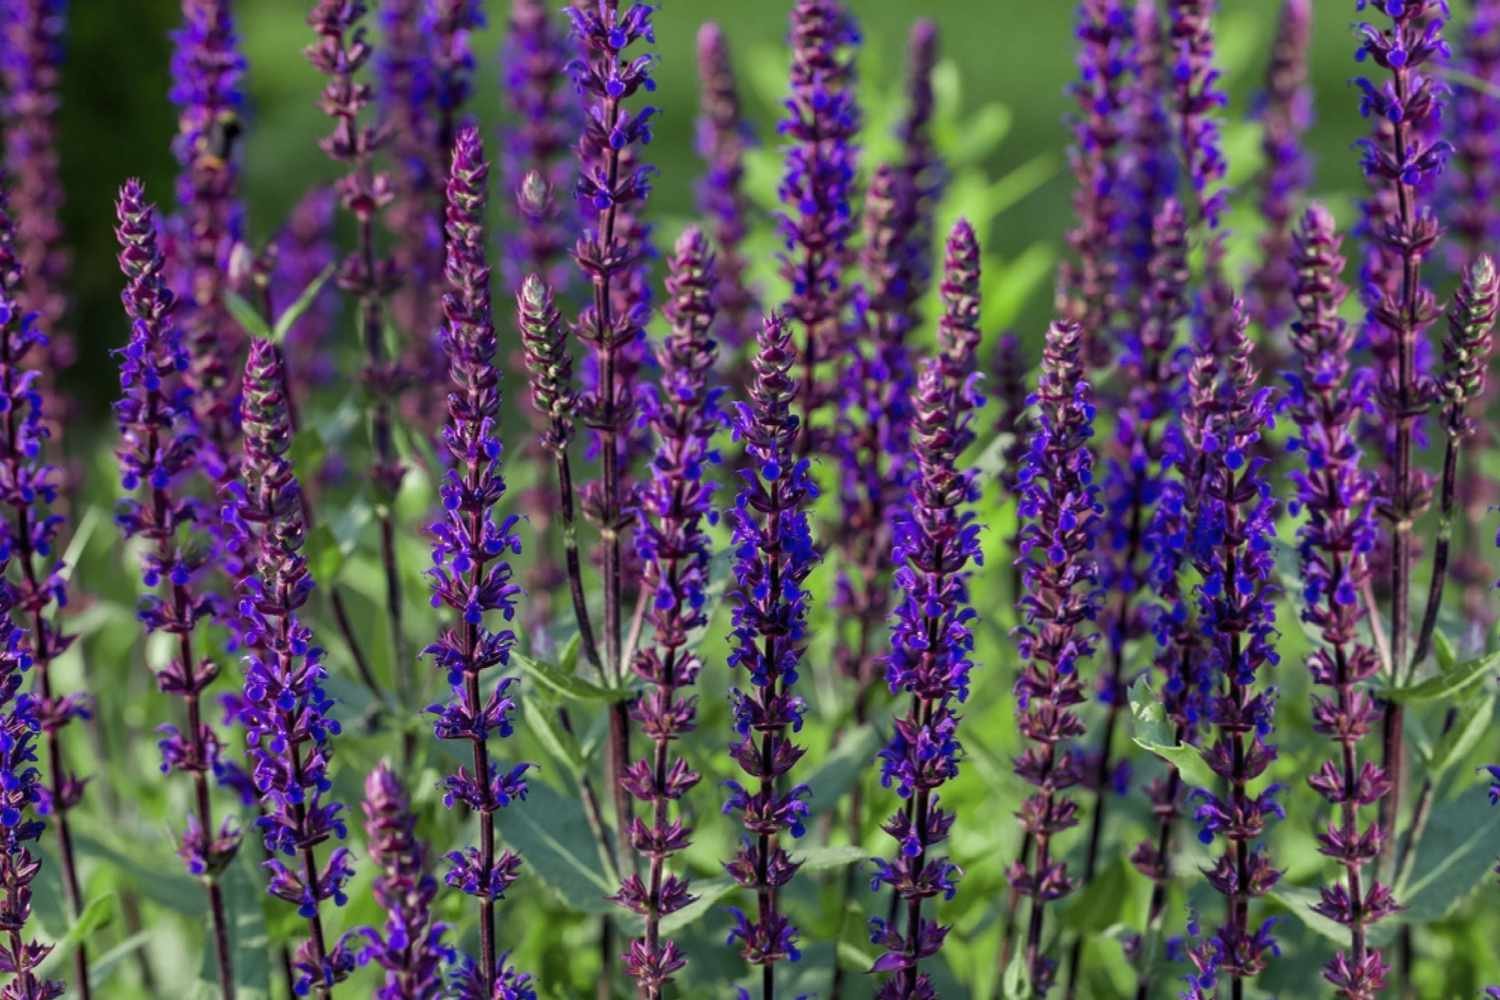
{"points": [[551, 832], [325, 557], [1103, 901], [1151, 732], [1015, 984], [566, 686], [567, 663], [1468, 729], [541, 721], [1445, 685], [825, 857], [709, 892], [95, 915], [244, 895], [292, 313], [247, 316], [1447, 657], [841, 768], [1453, 857], [160, 883]]}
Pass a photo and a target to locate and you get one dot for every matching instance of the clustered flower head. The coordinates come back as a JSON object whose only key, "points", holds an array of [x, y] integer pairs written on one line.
{"points": [[683, 413], [285, 709], [1060, 521], [723, 137], [816, 192], [931, 642], [411, 946], [1334, 545], [1284, 108], [773, 555], [1231, 527], [470, 574]]}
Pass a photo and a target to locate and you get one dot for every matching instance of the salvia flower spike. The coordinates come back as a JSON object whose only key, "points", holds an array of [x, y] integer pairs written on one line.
{"points": [[774, 553], [723, 137], [20, 790], [1475, 219], [31, 67], [157, 449], [286, 710], [411, 946], [1060, 516], [470, 574], [536, 165], [206, 72], [1400, 161], [936, 541], [684, 415], [1232, 519], [1284, 108], [1089, 284], [28, 540], [818, 223], [1150, 172], [1334, 543]]}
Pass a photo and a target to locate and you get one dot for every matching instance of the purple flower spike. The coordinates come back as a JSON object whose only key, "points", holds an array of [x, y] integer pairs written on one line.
{"points": [[470, 574], [1285, 113], [406, 93], [410, 948], [206, 71], [449, 24], [536, 164], [934, 545], [28, 540], [285, 710], [1090, 283], [774, 553], [1334, 543], [1476, 133], [683, 413], [1231, 514], [1196, 99], [1150, 168], [303, 251], [920, 162], [1060, 516], [156, 452], [31, 58], [1401, 160], [20, 792], [723, 137], [818, 221]]}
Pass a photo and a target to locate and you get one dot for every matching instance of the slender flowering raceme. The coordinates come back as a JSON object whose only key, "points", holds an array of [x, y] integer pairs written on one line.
{"points": [[470, 574], [28, 541], [1476, 133], [1196, 96], [684, 415], [449, 24], [304, 251], [1150, 169], [723, 137], [1333, 544], [1285, 113], [1090, 283], [156, 452], [285, 710], [1008, 386], [920, 161], [774, 553], [410, 947], [206, 72], [406, 95], [818, 221], [1232, 527], [31, 56], [20, 790], [931, 646], [1399, 160], [611, 191], [1060, 515], [535, 163], [340, 52]]}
